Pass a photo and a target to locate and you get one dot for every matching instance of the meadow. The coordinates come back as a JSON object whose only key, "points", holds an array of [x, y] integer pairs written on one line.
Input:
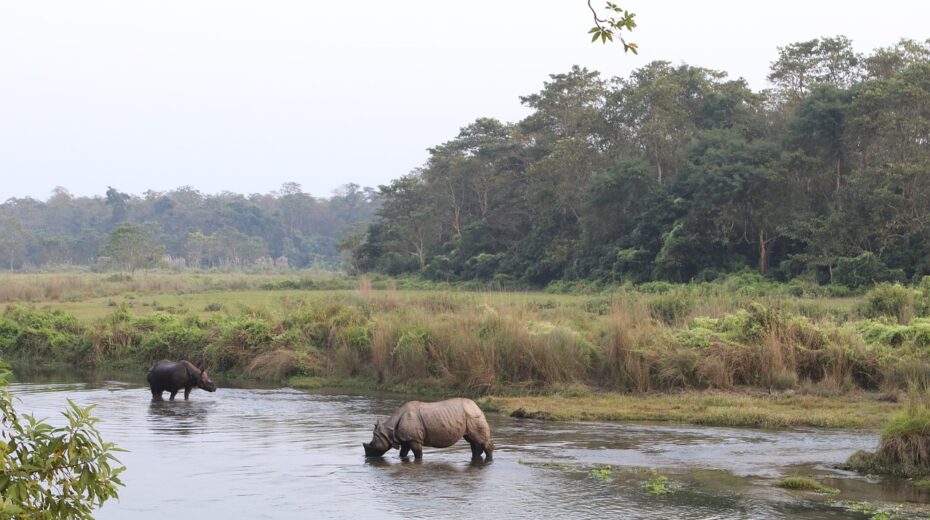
{"points": [[742, 351]]}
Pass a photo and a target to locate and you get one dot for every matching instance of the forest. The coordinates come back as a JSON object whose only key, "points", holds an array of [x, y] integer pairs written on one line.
{"points": [[675, 173], [183, 228], [680, 173]]}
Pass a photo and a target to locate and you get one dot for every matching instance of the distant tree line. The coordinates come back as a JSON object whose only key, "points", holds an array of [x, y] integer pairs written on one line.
{"points": [[679, 173], [183, 228]]}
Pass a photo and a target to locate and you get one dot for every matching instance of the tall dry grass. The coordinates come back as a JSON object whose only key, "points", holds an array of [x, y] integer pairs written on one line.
{"points": [[491, 342]]}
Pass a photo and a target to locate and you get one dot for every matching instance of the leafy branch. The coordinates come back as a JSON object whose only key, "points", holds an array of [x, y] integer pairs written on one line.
{"points": [[611, 26], [53, 472]]}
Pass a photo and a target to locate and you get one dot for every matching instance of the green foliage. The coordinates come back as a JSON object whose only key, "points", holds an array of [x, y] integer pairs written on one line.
{"points": [[671, 307], [659, 485], [601, 473], [922, 298], [619, 20], [895, 301], [53, 472], [863, 271], [677, 174], [130, 249]]}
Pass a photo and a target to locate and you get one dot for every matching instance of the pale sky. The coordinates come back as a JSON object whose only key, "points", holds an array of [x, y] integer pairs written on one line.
{"points": [[229, 95]]}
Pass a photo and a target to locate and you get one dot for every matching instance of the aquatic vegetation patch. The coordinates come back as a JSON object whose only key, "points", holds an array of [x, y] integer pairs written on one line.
{"points": [[904, 448], [806, 484], [660, 485], [601, 473], [548, 464], [876, 512]]}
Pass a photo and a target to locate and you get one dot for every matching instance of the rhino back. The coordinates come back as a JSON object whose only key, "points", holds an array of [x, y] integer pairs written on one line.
{"points": [[444, 423], [168, 375]]}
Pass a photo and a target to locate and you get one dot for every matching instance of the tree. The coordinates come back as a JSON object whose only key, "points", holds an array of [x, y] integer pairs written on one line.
{"points": [[803, 65], [740, 188], [13, 240], [53, 472], [130, 249], [117, 202]]}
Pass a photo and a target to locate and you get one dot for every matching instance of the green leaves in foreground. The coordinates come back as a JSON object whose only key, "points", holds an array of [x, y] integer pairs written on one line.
{"points": [[618, 20], [53, 472]]}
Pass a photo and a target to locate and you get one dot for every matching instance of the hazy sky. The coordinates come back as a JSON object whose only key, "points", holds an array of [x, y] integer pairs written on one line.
{"points": [[243, 96]]}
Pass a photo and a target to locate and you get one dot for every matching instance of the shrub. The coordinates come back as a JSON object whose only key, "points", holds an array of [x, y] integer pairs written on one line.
{"points": [[862, 271], [671, 307], [53, 471], [248, 333], [922, 298], [657, 287], [893, 300]]}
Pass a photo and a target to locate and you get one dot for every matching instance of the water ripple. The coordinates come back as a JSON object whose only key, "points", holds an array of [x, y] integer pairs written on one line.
{"points": [[281, 453]]}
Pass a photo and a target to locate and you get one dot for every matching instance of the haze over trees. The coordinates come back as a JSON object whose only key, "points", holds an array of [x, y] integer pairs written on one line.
{"points": [[678, 173], [182, 227]]}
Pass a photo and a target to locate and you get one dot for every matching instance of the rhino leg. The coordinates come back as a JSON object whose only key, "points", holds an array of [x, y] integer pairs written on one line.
{"points": [[156, 396], [173, 393], [488, 451], [404, 450], [417, 449], [187, 393], [475, 450]]}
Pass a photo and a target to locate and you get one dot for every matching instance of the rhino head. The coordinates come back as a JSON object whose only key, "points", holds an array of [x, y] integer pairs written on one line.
{"points": [[204, 382], [381, 440]]}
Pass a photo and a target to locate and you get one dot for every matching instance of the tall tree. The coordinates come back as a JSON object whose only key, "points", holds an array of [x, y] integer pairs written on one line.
{"points": [[130, 249], [13, 240]]}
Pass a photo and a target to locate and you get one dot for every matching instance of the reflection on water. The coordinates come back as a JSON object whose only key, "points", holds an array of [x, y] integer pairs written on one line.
{"points": [[178, 417], [280, 453]]}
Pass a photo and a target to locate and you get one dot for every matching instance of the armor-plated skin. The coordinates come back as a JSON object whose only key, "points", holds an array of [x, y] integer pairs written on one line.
{"points": [[171, 376], [437, 425]]}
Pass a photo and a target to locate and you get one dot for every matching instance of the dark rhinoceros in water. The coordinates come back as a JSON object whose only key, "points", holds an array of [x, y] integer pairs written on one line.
{"points": [[437, 425], [172, 376]]}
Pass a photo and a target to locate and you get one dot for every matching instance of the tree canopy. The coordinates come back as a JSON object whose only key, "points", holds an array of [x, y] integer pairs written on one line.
{"points": [[183, 227], [680, 173]]}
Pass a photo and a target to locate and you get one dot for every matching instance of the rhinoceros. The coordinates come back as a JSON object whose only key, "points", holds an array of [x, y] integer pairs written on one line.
{"points": [[437, 425], [170, 376]]}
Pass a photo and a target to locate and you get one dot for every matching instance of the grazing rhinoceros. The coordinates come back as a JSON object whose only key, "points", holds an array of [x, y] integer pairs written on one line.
{"points": [[437, 425], [170, 376]]}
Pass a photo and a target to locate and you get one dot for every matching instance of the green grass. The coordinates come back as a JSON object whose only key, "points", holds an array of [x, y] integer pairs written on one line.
{"points": [[904, 449], [861, 411]]}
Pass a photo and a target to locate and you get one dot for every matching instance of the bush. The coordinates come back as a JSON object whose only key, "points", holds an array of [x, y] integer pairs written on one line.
{"points": [[863, 270], [671, 307], [895, 301], [922, 298], [53, 472]]}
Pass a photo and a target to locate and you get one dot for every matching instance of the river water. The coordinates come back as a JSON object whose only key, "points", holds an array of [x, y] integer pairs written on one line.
{"points": [[283, 453]]}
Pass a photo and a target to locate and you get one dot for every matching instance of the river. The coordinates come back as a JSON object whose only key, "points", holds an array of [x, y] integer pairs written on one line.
{"points": [[283, 453]]}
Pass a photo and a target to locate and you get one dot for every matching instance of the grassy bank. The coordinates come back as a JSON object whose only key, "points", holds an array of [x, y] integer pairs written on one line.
{"points": [[656, 352], [859, 410]]}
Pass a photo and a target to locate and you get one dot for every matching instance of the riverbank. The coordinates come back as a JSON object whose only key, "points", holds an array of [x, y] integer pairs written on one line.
{"points": [[702, 353], [709, 408], [738, 408]]}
